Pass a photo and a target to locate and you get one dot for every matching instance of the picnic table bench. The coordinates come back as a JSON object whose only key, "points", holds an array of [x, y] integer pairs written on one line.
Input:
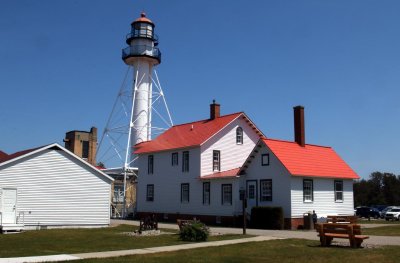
{"points": [[329, 231]]}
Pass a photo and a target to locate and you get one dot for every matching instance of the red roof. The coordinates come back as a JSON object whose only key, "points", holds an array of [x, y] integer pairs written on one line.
{"points": [[7, 157], [223, 174], [143, 18], [2, 155], [189, 134], [310, 160]]}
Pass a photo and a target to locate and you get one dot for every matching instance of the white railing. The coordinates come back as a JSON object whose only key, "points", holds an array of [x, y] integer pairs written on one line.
{"points": [[116, 213]]}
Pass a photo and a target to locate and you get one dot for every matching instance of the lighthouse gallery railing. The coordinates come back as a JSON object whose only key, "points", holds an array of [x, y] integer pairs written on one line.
{"points": [[141, 50]]}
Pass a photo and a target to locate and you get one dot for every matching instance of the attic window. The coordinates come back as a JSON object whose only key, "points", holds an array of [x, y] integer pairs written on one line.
{"points": [[239, 135], [216, 161], [265, 159]]}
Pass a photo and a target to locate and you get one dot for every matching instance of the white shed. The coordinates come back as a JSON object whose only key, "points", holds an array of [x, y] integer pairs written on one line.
{"points": [[51, 187]]}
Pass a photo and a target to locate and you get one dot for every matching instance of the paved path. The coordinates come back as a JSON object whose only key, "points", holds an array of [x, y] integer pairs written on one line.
{"points": [[261, 235]]}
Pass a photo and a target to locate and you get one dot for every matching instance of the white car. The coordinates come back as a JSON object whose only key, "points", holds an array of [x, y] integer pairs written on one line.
{"points": [[393, 214]]}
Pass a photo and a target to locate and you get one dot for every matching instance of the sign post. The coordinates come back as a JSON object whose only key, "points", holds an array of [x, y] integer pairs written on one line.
{"points": [[242, 195]]}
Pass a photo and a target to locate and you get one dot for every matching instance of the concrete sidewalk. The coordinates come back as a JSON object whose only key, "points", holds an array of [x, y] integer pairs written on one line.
{"points": [[118, 253]]}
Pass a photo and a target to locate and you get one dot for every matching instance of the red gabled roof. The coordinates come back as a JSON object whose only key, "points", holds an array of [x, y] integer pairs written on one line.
{"points": [[224, 174], [189, 134], [310, 160], [7, 157], [2, 155]]}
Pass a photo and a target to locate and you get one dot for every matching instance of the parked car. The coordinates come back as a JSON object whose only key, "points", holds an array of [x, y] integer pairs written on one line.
{"points": [[367, 212], [383, 212], [393, 214]]}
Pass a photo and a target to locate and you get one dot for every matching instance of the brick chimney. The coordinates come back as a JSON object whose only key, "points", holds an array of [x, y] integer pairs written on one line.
{"points": [[92, 145], [299, 135], [214, 110]]}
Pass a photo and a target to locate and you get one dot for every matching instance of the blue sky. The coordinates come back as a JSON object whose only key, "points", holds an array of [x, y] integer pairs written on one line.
{"points": [[61, 68]]}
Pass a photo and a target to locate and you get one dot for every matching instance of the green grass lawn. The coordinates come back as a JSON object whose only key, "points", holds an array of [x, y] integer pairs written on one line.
{"points": [[282, 251], [68, 241], [392, 230], [377, 221]]}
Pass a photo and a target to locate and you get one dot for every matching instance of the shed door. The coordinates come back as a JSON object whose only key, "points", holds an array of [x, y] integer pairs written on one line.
{"points": [[251, 195], [9, 199]]}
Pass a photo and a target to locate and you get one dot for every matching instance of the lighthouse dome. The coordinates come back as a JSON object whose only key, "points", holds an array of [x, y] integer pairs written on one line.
{"points": [[143, 19]]}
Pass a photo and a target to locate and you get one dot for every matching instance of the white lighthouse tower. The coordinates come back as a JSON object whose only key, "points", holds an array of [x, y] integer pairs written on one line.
{"points": [[142, 54], [139, 112]]}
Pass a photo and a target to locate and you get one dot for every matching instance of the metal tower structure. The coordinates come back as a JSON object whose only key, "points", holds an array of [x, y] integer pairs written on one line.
{"points": [[140, 110]]}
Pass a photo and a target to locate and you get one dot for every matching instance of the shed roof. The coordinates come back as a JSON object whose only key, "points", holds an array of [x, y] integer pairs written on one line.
{"points": [[25, 153]]}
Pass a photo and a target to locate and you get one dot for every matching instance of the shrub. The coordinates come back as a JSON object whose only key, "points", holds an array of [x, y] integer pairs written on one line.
{"points": [[266, 217], [194, 231]]}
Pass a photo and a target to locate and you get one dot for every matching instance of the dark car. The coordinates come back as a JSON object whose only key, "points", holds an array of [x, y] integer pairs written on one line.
{"points": [[367, 212]]}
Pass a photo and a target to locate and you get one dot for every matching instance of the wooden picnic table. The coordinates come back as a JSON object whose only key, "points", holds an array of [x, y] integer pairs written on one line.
{"points": [[328, 231], [342, 219]]}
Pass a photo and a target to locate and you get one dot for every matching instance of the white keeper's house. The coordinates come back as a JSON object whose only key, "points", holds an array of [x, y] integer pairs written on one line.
{"points": [[197, 169], [50, 187]]}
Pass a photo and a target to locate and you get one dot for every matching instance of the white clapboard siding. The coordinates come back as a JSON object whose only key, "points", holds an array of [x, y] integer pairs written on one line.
{"points": [[324, 201], [280, 179], [56, 189], [232, 155], [167, 179]]}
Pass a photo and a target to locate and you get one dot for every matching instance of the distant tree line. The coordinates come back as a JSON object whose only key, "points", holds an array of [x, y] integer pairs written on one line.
{"points": [[379, 189]]}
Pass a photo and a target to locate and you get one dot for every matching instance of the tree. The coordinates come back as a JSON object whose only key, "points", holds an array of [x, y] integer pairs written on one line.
{"points": [[379, 189]]}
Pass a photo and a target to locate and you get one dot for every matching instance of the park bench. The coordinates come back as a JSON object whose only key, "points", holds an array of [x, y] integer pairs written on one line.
{"points": [[342, 219], [329, 231]]}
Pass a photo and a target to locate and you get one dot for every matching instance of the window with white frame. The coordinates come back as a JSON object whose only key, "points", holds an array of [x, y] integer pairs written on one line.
{"points": [[150, 193], [308, 191], [184, 193], [206, 193], [239, 135], [338, 191], [216, 161], [185, 161], [266, 190], [150, 164], [174, 159], [227, 194]]}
